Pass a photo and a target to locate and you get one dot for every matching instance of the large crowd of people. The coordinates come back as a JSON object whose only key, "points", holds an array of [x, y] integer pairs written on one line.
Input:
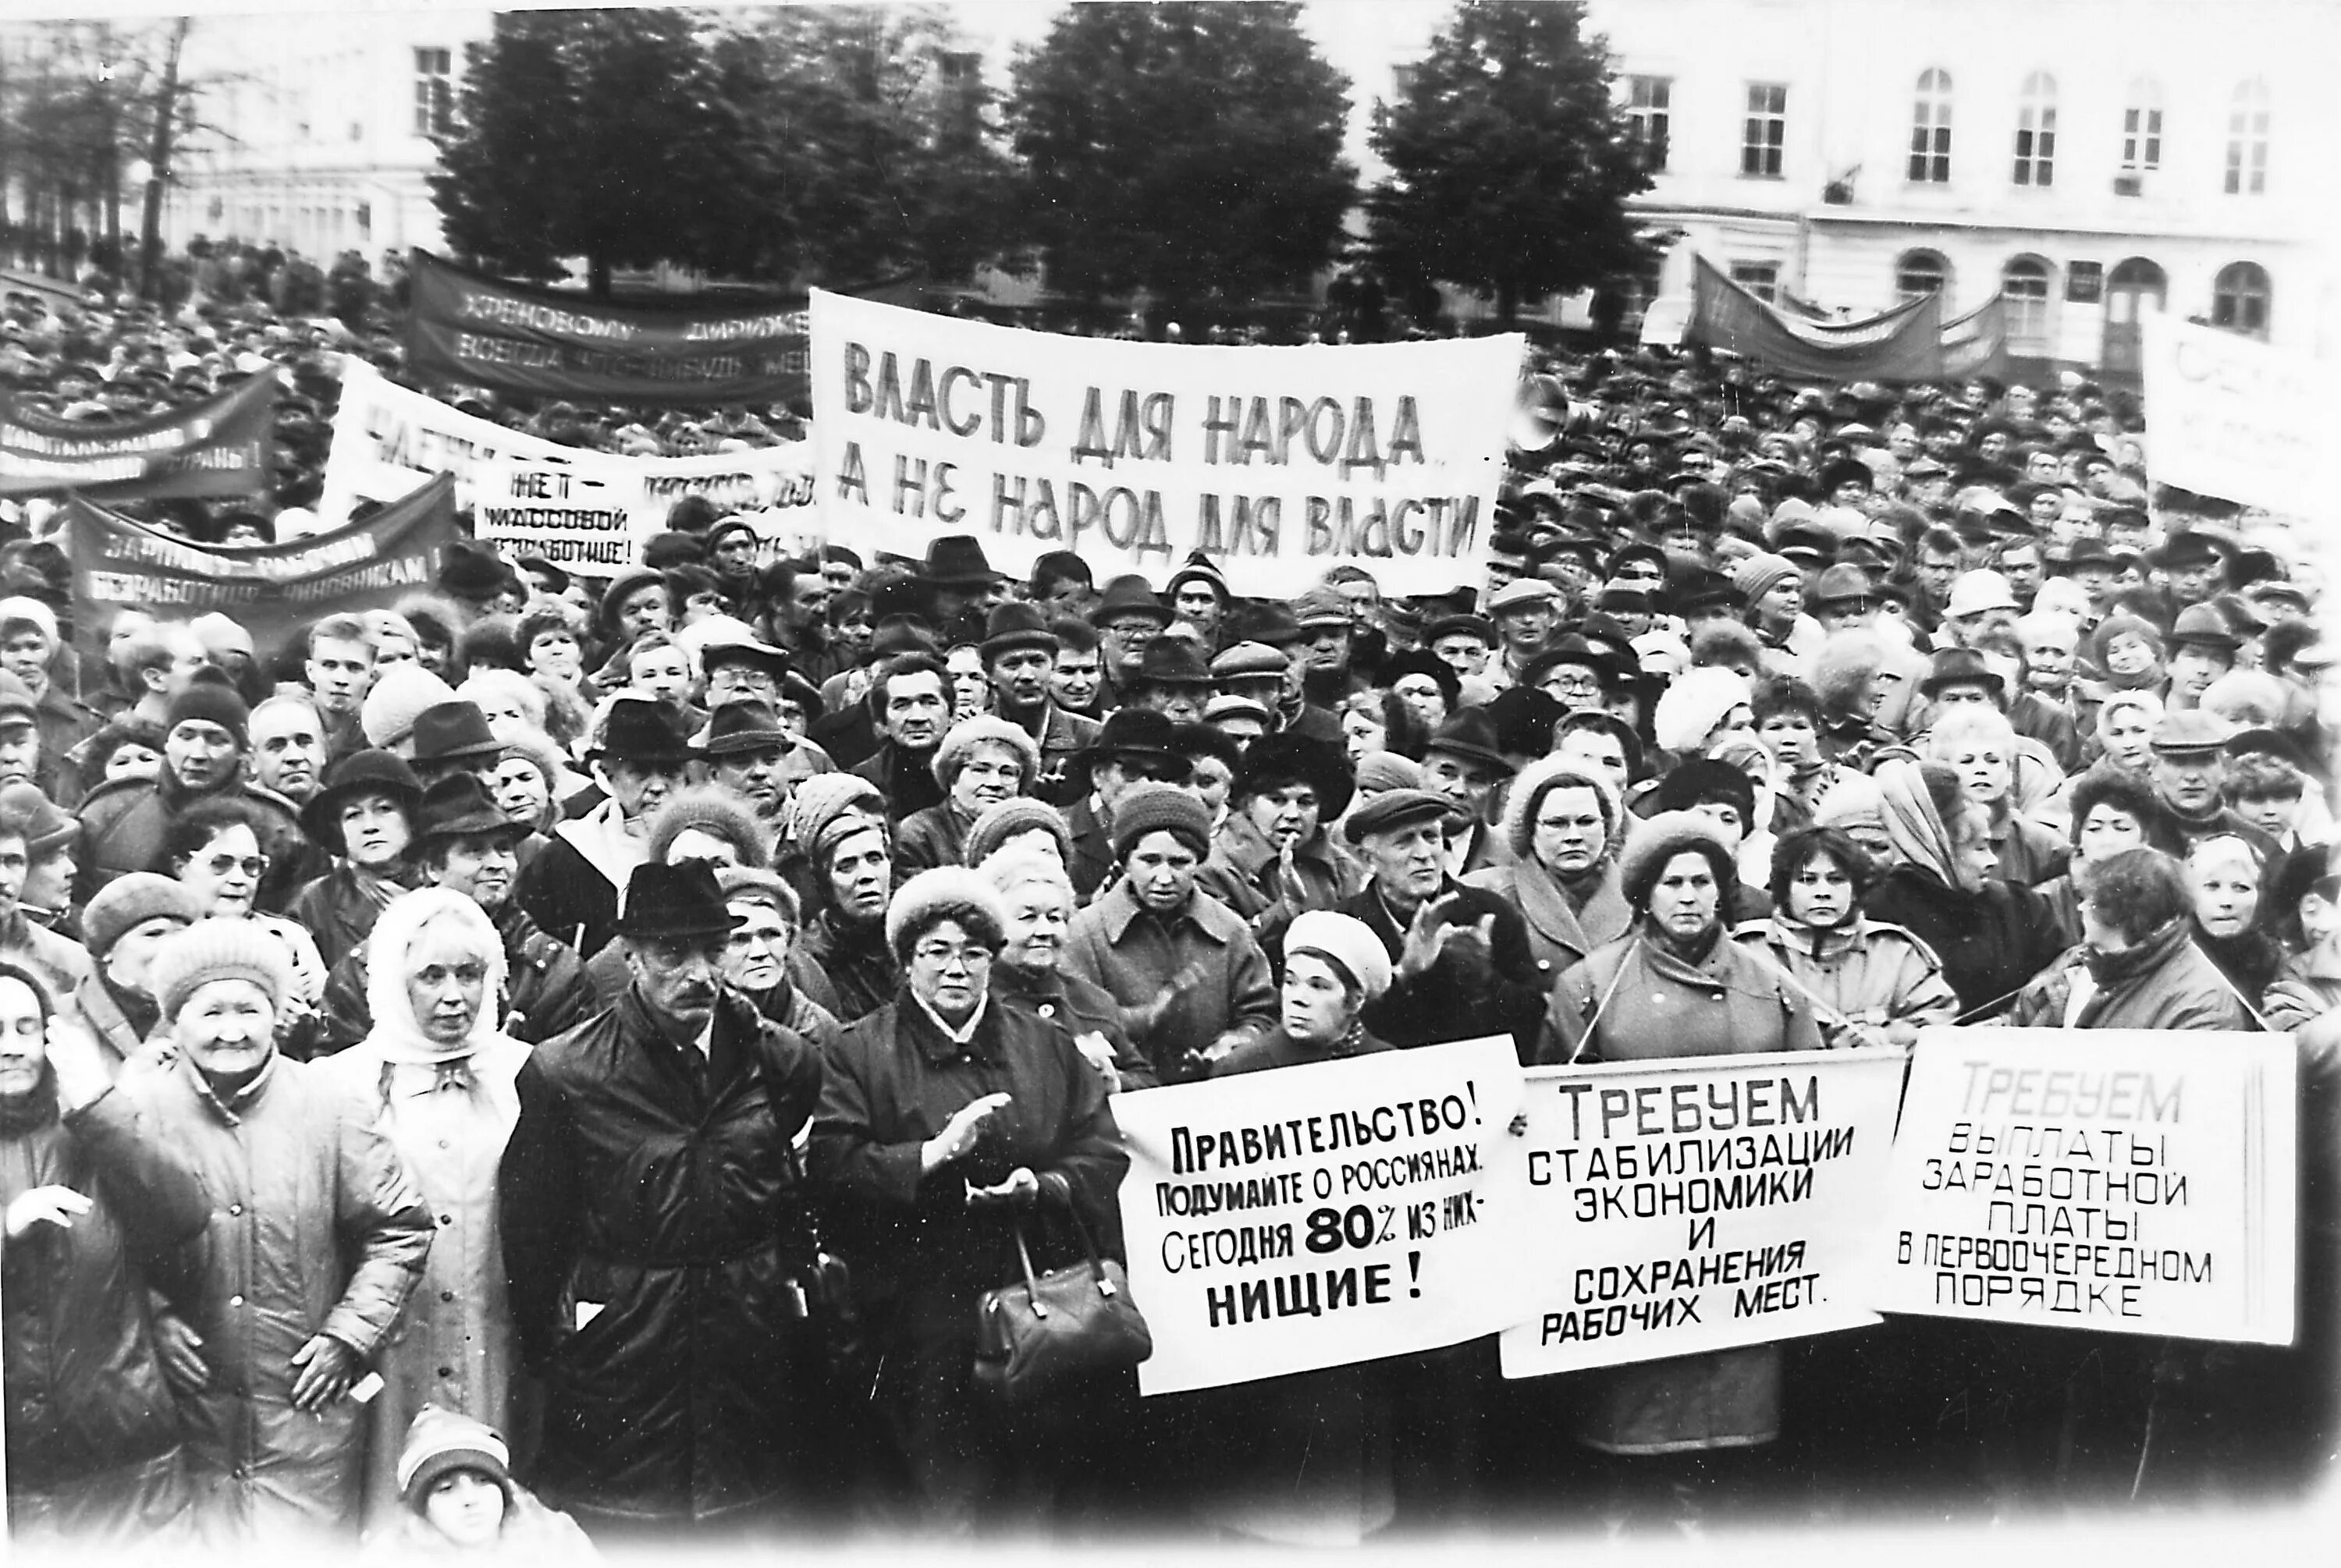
{"points": [[558, 1060]]}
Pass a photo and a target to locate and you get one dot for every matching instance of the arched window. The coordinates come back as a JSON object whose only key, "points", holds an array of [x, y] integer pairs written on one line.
{"points": [[2035, 131], [2247, 139], [1922, 272], [2024, 282], [1930, 130], [2239, 299], [2141, 148]]}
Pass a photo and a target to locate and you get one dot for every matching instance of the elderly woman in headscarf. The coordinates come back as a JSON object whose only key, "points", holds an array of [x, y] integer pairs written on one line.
{"points": [[1991, 938], [842, 959], [947, 1124], [443, 1073], [1654, 994], [1566, 827]]}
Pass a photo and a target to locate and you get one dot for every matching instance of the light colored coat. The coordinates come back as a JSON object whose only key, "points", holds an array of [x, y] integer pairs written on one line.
{"points": [[1868, 971]]}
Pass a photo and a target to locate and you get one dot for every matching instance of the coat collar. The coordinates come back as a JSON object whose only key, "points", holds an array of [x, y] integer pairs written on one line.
{"points": [[1544, 903], [1210, 919]]}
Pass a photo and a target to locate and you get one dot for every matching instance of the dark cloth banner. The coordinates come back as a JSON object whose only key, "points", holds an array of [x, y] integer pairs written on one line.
{"points": [[276, 591], [1975, 344], [225, 447], [1903, 345], [482, 331]]}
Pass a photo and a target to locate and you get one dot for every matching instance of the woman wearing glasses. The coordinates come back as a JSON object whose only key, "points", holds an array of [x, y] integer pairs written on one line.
{"points": [[213, 848], [442, 1072], [946, 1121]]}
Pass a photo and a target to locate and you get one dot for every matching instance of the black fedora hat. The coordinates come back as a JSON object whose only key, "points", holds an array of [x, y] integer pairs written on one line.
{"points": [[1273, 761], [1133, 732], [680, 901], [359, 773], [1471, 735], [1128, 594], [744, 726], [1169, 662], [453, 730], [457, 807], [640, 730], [1272, 622], [1960, 666], [955, 560], [1015, 625]]}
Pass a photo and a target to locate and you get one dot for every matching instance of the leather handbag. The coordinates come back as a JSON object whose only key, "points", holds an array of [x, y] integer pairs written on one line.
{"points": [[1035, 1337]]}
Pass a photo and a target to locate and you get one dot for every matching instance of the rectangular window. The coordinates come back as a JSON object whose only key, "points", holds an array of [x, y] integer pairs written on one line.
{"points": [[1766, 131], [1930, 149], [1648, 103], [433, 92], [1761, 279], [2036, 148], [2141, 141]]}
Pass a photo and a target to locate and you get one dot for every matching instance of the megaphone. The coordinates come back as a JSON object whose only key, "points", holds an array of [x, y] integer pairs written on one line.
{"points": [[1543, 413]]}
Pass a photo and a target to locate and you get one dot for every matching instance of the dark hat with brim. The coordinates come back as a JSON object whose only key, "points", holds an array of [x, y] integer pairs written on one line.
{"points": [[1396, 808], [678, 900], [957, 560], [1128, 594], [1960, 666], [640, 730], [359, 773], [454, 731], [1130, 732], [1471, 735], [457, 807], [1015, 626], [1169, 662], [744, 726]]}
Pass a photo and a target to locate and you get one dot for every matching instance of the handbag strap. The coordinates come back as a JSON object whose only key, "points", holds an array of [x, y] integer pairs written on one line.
{"points": [[1031, 1281]]}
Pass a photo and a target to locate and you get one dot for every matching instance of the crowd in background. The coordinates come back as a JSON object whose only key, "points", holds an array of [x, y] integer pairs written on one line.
{"points": [[629, 1022]]}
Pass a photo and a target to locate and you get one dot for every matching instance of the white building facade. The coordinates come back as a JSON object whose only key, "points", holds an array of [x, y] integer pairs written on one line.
{"points": [[2095, 159], [322, 127]]}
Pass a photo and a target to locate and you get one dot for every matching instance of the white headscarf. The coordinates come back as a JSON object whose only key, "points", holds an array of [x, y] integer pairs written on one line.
{"points": [[396, 1034]]}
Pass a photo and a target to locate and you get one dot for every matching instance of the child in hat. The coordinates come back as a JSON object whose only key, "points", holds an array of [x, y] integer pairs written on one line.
{"points": [[454, 1475]]}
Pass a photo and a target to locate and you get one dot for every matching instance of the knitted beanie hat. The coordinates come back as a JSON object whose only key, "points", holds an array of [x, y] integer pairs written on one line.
{"points": [[129, 901], [218, 949], [944, 893], [715, 811], [388, 714], [1694, 703], [827, 805], [973, 730], [1380, 770], [209, 698], [1760, 573], [1153, 808], [997, 823], [440, 1441]]}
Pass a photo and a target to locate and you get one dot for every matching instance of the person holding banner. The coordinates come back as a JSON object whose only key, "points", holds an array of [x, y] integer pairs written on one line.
{"points": [[1871, 983], [1653, 994], [2137, 966]]}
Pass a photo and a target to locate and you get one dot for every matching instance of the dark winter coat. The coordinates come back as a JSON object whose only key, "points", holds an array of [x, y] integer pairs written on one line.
{"points": [[1991, 941], [652, 1221], [2163, 983], [1445, 1002]]}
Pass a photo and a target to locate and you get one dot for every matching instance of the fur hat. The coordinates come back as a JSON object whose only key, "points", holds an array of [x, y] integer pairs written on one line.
{"points": [[1694, 703], [944, 893], [129, 901], [1542, 776], [823, 810], [1348, 941], [398, 699], [1658, 840], [1151, 808], [973, 730], [1019, 814], [217, 949], [715, 811]]}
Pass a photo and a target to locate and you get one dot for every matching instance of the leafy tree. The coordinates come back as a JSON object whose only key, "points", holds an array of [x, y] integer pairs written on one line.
{"points": [[865, 143], [1185, 148], [1510, 165], [600, 133]]}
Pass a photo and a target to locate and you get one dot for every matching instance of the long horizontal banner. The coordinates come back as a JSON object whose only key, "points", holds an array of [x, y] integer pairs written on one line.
{"points": [[1697, 1204], [2239, 420], [274, 591], [1312, 1216], [1277, 462], [224, 446], [388, 439], [467, 327], [2121, 1180]]}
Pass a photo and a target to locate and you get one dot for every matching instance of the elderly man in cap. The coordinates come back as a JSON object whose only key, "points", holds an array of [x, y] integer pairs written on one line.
{"points": [[2189, 775], [1133, 746], [1329, 619], [657, 1241], [318, 1234], [571, 888], [1464, 763], [203, 748], [1982, 612], [2195, 567], [1170, 679], [1020, 654], [1190, 979], [463, 843]]}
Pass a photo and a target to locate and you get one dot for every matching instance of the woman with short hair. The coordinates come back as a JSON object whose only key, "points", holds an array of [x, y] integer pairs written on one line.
{"points": [[1873, 983], [1566, 825], [363, 818], [980, 762]]}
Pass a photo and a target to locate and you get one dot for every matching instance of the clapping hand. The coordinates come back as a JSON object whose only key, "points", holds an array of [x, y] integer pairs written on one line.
{"points": [[1021, 1188], [963, 1132], [78, 1060], [1145, 1019]]}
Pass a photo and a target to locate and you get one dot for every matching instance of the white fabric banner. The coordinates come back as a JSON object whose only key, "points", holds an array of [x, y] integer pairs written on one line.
{"points": [[1312, 1216], [1276, 461], [1675, 1207], [558, 500], [2124, 1180], [2231, 417]]}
